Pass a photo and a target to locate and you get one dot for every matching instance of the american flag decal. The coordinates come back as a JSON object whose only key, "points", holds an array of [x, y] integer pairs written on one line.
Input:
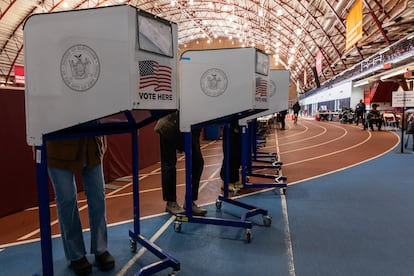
{"points": [[156, 75], [261, 87]]}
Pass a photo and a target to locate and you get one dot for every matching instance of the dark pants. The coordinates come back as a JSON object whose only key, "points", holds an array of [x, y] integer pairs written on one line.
{"points": [[377, 122], [283, 121], [234, 143], [358, 116], [169, 147]]}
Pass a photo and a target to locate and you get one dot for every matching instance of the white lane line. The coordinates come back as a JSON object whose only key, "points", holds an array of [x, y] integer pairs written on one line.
{"points": [[307, 138], [287, 236], [141, 252], [319, 144], [329, 154], [134, 259]]}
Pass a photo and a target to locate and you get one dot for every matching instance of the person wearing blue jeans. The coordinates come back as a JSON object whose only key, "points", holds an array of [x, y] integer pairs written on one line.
{"points": [[84, 156]]}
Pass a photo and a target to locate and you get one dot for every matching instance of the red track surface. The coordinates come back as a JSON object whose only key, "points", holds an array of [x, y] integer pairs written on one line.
{"points": [[308, 150]]}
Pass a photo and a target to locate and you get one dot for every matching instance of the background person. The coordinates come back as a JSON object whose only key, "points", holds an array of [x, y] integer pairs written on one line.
{"points": [[64, 158], [360, 112], [296, 108], [374, 118]]}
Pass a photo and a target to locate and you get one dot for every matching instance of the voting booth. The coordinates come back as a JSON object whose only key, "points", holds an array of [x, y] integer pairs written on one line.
{"points": [[217, 86], [279, 81], [88, 64], [94, 72]]}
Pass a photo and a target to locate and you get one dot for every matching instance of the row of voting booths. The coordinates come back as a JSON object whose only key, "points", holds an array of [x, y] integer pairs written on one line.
{"points": [[113, 70]]}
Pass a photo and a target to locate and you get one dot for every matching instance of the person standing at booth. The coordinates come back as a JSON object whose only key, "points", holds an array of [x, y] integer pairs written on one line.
{"points": [[64, 159], [171, 141], [282, 118], [234, 143]]}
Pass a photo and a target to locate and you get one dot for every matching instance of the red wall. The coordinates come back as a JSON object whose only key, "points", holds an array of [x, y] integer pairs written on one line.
{"points": [[17, 168]]}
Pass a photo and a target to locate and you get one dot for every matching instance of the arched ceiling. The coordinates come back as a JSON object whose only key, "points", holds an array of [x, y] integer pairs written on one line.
{"points": [[291, 31]]}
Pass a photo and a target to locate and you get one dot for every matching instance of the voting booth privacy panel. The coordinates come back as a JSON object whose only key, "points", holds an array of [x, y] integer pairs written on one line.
{"points": [[222, 82], [89, 64], [279, 81], [97, 71]]}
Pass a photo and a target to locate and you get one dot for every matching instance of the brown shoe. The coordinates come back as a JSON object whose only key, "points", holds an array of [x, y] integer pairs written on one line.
{"points": [[173, 208], [105, 261], [81, 266], [197, 211]]}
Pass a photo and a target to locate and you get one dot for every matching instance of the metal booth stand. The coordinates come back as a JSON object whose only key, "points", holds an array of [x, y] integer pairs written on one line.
{"points": [[112, 70], [218, 86], [278, 101]]}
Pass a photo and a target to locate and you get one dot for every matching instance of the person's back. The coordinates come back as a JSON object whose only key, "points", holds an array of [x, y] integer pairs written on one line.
{"points": [[296, 108]]}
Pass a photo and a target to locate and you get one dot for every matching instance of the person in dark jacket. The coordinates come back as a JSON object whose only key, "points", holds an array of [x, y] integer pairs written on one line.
{"points": [[296, 108], [360, 112], [374, 118], [282, 117], [64, 159]]}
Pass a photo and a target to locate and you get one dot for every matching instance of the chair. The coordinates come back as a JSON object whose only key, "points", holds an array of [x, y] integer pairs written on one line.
{"points": [[389, 120]]}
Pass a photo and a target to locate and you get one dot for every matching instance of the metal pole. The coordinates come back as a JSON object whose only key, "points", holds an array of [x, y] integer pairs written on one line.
{"points": [[402, 124]]}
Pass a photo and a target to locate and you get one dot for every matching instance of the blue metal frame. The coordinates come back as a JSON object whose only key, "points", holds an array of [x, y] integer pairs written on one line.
{"points": [[93, 129], [249, 154], [188, 216]]}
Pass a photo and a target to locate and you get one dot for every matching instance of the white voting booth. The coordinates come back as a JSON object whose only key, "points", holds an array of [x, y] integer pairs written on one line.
{"points": [[217, 86], [279, 81], [223, 82], [88, 64], [110, 68]]}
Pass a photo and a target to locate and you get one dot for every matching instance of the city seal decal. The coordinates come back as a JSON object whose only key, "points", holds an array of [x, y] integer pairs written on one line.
{"points": [[213, 82], [272, 88], [80, 68]]}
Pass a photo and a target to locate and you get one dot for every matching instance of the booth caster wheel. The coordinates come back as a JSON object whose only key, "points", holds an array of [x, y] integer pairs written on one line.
{"points": [[172, 273], [218, 204], [249, 235], [267, 220], [177, 226], [132, 245]]}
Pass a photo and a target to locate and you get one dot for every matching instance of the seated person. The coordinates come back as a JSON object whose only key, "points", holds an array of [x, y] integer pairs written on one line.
{"points": [[374, 117]]}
